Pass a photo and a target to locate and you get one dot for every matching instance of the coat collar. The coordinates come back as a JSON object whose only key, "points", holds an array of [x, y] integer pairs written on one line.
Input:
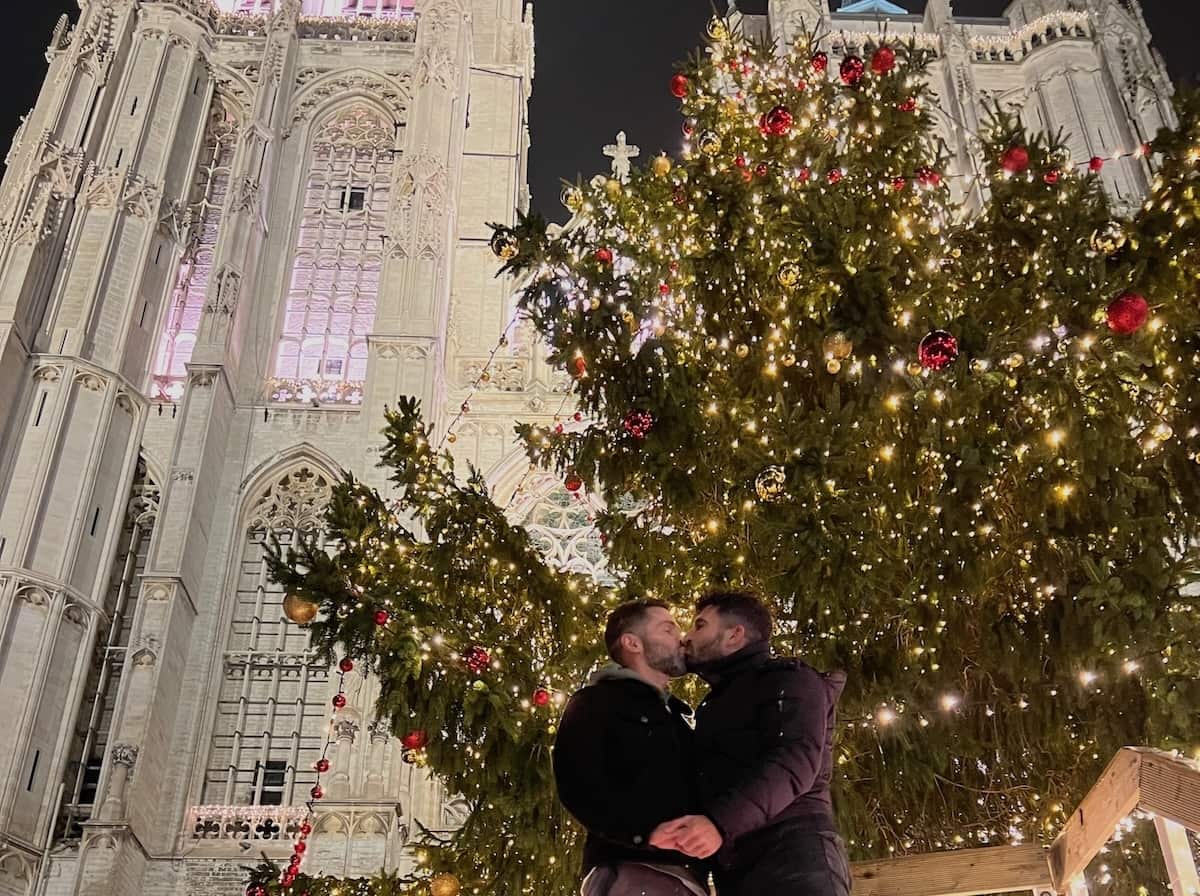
{"points": [[718, 672]]}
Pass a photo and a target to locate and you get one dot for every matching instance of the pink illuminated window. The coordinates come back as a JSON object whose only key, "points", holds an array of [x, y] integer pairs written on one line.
{"points": [[332, 296], [377, 8], [245, 7], [209, 189]]}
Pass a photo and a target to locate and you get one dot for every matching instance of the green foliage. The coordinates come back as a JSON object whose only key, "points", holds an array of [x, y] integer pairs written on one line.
{"points": [[996, 551]]}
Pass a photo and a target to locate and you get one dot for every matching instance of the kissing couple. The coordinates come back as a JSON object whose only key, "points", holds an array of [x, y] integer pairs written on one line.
{"points": [[740, 790]]}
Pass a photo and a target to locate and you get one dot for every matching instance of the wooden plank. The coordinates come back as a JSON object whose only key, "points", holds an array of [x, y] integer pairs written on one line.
{"points": [[1170, 788], [962, 872], [1093, 823], [1177, 853]]}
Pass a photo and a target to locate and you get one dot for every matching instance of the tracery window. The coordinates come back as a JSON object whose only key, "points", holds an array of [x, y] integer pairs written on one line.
{"points": [[332, 297], [271, 721], [209, 190], [561, 525]]}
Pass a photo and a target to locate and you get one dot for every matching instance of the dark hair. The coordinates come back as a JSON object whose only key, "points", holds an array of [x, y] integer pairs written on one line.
{"points": [[743, 609], [625, 619]]}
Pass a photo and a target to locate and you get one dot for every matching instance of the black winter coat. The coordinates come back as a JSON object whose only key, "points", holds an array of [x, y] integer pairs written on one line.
{"points": [[764, 745], [623, 765]]}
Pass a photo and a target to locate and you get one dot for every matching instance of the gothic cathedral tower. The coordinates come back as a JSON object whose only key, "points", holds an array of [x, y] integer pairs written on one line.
{"points": [[231, 232]]}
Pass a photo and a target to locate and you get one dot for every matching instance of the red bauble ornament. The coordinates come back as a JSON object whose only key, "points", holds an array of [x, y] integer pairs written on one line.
{"points": [[322, 765], [558, 429], [778, 122], [883, 60], [346, 665], [638, 424], [747, 176], [740, 161], [417, 739], [300, 848], [805, 175], [317, 792], [294, 862], [899, 183], [578, 416], [909, 105], [1096, 164], [938, 350], [541, 697], [1015, 159], [339, 701], [1052, 176], [604, 256], [852, 70], [573, 482], [927, 177], [820, 61], [382, 617], [1127, 313], [834, 176], [477, 659], [761, 170], [580, 366], [305, 829], [680, 86], [664, 289], [679, 197]]}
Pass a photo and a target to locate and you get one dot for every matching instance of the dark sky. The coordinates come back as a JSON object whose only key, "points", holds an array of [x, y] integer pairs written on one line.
{"points": [[601, 67]]}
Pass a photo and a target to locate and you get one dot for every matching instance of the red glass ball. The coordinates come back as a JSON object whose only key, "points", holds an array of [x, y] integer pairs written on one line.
{"points": [[477, 659], [417, 739], [382, 617], [317, 792], [1052, 176], [1096, 163], [680, 86], [299, 847], [740, 161], [1015, 159], [305, 829], [852, 70], [322, 765], [761, 170], [346, 665], [573, 482], [580, 366], [899, 183], [294, 863], [883, 60], [1127, 313], [820, 61], [604, 256], [805, 175], [909, 105], [541, 697], [578, 416], [927, 177], [778, 122], [339, 701], [834, 176], [938, 350]]}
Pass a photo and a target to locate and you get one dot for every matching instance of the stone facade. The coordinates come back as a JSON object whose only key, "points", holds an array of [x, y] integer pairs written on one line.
{"points": [[230, 236]]}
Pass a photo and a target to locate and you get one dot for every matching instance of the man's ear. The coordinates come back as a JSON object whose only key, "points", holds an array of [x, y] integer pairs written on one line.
{"points": [[737, 634], [631, 643]]}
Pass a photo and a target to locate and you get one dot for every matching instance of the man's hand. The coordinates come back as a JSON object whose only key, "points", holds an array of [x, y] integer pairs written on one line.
{"points": [[692, 835]]}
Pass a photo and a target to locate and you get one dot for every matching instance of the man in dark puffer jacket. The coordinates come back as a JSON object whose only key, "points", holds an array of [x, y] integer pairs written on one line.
{"points": [[764, 752], [623, 759]]}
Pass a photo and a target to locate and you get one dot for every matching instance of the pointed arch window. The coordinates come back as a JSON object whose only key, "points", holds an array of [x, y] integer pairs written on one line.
{"points": [[333, 292], [210, 187]]}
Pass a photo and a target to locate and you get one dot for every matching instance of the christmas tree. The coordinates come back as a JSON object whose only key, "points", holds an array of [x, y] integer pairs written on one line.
{"points": [[948, 429]]}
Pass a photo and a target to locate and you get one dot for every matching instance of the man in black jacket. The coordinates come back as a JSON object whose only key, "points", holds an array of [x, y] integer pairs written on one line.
{"points": [[764, 754], [623, 759]]}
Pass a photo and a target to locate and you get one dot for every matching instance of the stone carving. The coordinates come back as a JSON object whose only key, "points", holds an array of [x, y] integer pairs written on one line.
{"points": [[380, 731], [437, 65], [90, 381], [34, 595], [48, 373], [174, 220], [183, 476], [418, 221], [392, 93], [77, 614], [503, 376], [60, 38], [245, 194], [224, 298], [55, 172], [142, 509], [125, 754], [345, 729], [296, 501]]}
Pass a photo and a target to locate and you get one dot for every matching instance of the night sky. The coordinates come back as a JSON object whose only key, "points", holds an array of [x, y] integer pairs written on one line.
{"points": [[601, 67]]}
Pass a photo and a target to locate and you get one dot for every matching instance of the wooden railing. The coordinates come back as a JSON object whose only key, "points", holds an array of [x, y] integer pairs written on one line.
{"points": [[1160, 784]]}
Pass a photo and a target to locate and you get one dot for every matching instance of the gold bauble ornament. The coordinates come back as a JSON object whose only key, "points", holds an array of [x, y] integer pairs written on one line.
{"points": [[1109, 239], [415, 757], [479, 685], [789, 274], [612, 187], [572, 198], [915, 368], [661, 166], [504, 244], [1014, 360], [452, 438], [742, 350], [717, 29], [770, 484], [838, 346], [444, 884], [834, 366], [709, 143], [299, 610], [789, 360], [594, 303]]}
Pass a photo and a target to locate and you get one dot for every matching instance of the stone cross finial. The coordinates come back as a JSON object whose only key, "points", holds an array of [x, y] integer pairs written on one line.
{"points": [[621, 152]]}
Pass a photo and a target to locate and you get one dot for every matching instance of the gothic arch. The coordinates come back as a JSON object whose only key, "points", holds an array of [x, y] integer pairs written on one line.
{"points": [[325, 92], [305, 469]]}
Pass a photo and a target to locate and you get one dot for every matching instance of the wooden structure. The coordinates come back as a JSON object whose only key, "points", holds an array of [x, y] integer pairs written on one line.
{"points": [[1161, 784]]}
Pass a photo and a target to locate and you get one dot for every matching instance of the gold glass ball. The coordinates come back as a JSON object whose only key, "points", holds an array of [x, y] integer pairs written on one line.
{"points": [[415, 757], [838, 345], [504, 244], [914, 368], [444, 884], [451, 438], [299, 610], [1109, 239], [710, 143], [834, 366], [594, 303], [612, 187], [572, 198], [742, 350], [661, 166], [717, 29], [789, 274], [789, 360], [1014, 360], [770, 484]]}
